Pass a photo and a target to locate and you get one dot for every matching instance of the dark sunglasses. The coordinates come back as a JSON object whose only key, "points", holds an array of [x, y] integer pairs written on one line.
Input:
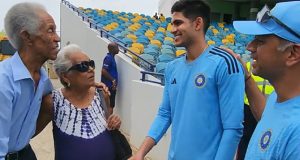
{"points": [[83, 66], [264, 15]]}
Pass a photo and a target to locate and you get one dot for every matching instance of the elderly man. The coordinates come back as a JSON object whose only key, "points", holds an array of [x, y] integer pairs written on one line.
{"points": [[276, 54], [32, 31]]}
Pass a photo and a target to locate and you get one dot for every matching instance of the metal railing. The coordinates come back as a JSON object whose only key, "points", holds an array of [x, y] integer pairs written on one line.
{"points": [[154, 74]]}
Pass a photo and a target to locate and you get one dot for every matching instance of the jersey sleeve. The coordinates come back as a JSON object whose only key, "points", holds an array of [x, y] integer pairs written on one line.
{"points": [[48, 87], [162, 120], [231, 88], [290, 143], [6, 107]]}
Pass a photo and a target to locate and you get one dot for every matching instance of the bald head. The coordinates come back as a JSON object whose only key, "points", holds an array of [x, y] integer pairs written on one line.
{"points": [[113, 48]]}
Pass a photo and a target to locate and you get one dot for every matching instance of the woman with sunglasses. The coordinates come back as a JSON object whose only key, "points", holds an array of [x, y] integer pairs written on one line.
{"points": [[80, 129]]}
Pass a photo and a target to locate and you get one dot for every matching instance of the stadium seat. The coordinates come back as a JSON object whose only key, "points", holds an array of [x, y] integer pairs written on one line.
{"points": [[165, 58], [160, 67]]}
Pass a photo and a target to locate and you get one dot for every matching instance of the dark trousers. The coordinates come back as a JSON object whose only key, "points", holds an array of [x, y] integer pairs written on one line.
{"points": [[249, 127], [25, 154]]}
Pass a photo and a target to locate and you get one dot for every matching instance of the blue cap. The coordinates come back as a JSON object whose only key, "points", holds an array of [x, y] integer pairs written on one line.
{"points": [[286, 12]]}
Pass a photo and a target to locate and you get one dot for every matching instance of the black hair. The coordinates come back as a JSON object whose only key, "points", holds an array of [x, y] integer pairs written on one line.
{"points": [[192, 9]]}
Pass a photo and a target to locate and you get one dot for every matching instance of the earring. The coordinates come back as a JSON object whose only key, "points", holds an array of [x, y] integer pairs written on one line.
{"points": [[68, 84]]}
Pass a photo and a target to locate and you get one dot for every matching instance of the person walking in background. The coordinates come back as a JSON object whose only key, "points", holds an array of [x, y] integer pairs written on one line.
{"points": [[109, 73], [80, 123], [155, 16], [162, 17], [32, 32], [203, 94], [276, 57]]}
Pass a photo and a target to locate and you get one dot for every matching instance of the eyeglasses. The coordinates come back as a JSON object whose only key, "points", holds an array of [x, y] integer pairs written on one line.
{"points": [[83, 66], [264, 15]]}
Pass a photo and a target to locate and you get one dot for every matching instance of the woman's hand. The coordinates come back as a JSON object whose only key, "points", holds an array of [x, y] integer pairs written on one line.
{"points": [[113, 122], [103, 86]]}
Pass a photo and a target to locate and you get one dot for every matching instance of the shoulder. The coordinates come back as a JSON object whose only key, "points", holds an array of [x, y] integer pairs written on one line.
{"points": [[5, 68], [6, 75], [176, 63], [108, 58], [57, 95], [225, 59]]}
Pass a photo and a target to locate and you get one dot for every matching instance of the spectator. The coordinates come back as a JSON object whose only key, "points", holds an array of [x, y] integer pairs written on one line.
{"points": [[110, 74], [79, 119], [32, 32], [162, 17], [276, 54], [203, 94], [155, 16]]}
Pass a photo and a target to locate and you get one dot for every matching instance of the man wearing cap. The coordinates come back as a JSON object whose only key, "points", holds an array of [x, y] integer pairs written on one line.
{"points": [[276, 57]]}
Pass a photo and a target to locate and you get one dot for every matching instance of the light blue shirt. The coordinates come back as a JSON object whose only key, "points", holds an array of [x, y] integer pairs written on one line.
{"points": [[20, 104], [203, 100], [277, 135]]}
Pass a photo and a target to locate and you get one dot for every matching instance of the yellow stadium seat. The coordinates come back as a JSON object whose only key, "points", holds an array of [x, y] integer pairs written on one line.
{"points": [[221, 25], [148, 23], [180, 52], [135, 50], [150, 31], [169, 27], [211, 42], [215, 31], [225, 41], [161, 29], [169, 39], [149, 35], [156, 42], [139, 46], [116, 12], [132, 37]]}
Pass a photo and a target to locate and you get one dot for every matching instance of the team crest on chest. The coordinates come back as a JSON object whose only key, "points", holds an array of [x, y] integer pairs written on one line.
{"points": [[265, 140], [200, 80]]}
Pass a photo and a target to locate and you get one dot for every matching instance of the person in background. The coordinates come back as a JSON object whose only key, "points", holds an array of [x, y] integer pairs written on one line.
{"points": [[162, 17], [80, 126], [276, 57], [109, 73], [203, 93], [32, 32], [155, 16]]}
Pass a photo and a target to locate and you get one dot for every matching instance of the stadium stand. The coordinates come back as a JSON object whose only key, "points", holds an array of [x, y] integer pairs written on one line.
{"points": [[150, 39], [150, 42]]}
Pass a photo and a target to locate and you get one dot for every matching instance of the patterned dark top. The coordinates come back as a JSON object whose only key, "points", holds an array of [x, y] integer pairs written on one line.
{"points": [[80, 134]]}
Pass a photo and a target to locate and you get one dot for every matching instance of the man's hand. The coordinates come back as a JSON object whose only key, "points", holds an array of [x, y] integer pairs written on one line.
{"points": [[144, 149], [136, 157], [238, 57]]}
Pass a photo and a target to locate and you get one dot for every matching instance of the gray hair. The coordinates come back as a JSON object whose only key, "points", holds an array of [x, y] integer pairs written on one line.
{"points": [[63, 63], [22, 16], [284, 44]]}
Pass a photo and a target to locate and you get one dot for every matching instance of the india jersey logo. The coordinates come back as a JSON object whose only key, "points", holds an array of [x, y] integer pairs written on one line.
{"points": [[265, 140], [200, 80]]}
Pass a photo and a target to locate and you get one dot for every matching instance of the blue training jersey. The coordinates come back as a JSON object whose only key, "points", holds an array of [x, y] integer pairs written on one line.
{"points": [[109, 63], [203, 100], [277, 135]]}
